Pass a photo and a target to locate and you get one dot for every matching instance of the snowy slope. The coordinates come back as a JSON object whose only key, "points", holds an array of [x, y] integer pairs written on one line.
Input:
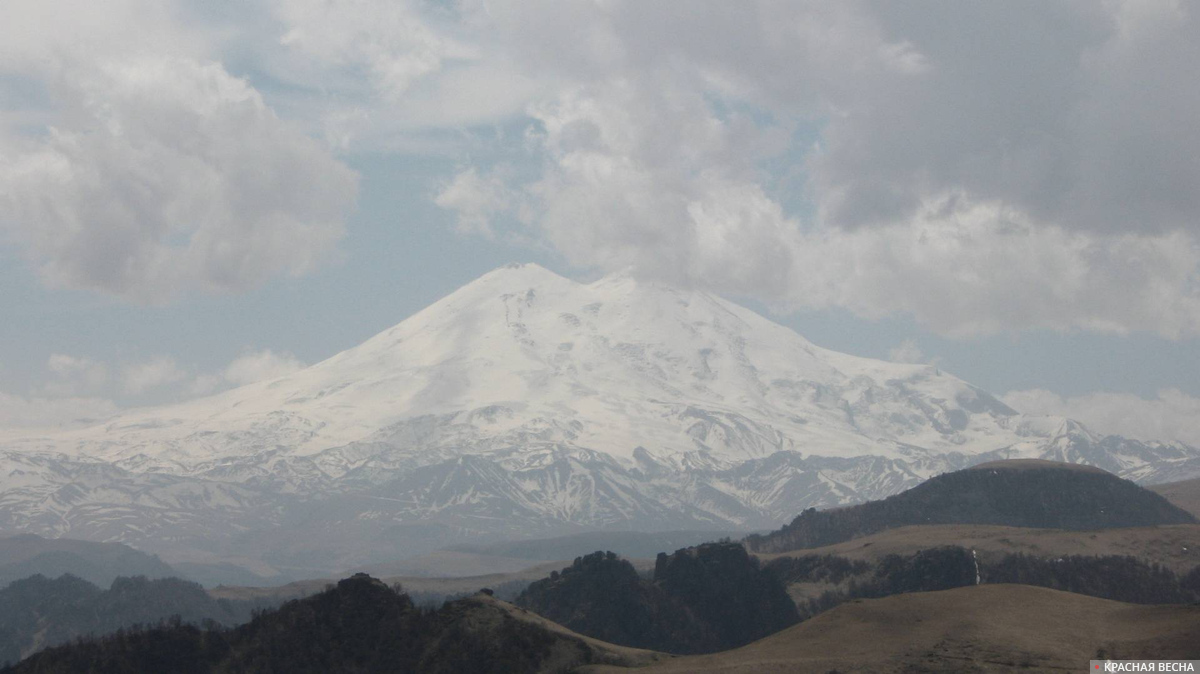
{"points": [[527, 403], [526, 351]]}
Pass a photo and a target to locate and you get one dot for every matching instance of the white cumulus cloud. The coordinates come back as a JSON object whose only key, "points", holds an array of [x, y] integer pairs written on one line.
{"points": [[981, 167], [388, 41], [73, 375], [170, 175], [156, 372], [947, 171], [248, 368], [258, 366], [477, 199]]}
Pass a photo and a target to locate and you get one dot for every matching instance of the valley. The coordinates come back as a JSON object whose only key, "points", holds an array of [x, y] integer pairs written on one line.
{"points": [[751, 611]]}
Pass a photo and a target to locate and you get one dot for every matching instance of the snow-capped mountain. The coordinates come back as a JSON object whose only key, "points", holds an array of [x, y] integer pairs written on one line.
{"points": [[526, 403]]}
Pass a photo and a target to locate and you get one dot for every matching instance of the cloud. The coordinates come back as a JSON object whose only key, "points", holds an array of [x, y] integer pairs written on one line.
{"points": [[73, 375], [1082, 122], [387, 42], [615, 194], [171, 176], [654, 182], [1173, 415], [476, 200], [250, 367], [906, 352], [976, 182], [80, 387], [133, 163], [399, 75], [18, 412], [159, 371], [258, 366], [981, 167], [41, 39], [977, 268]]}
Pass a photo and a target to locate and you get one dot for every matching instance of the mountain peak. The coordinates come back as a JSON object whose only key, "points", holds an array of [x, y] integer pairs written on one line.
{"points": [[523, 276], [529, 273], [526, 401], [632, 280]]}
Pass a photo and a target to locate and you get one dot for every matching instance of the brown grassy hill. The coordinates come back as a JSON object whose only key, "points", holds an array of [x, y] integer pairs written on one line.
{"points": [[979, 628], [1185, 494], [483, 610], [1175, 546]]}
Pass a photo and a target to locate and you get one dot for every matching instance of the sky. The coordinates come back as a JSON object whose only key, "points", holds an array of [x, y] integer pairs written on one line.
{"points": [[198, 195]]}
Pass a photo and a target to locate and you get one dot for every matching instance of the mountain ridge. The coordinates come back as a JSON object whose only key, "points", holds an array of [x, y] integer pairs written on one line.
{"points": [[526, 404]]}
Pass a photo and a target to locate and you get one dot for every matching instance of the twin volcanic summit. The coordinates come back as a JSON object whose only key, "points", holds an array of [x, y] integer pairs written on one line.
{"points": [[526, 404]]}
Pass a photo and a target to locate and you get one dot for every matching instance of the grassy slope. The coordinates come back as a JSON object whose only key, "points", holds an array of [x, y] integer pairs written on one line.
{"points": [[1175, 546], [1185, 494], [981, 628], [623, 656]]}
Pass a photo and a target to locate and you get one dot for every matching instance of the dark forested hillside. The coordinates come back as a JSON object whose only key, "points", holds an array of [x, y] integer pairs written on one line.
{"points": [[703, 599], [38, 612], [602, 596], [725, 588], [1120, 578], [360, 625], [1039, 495]]}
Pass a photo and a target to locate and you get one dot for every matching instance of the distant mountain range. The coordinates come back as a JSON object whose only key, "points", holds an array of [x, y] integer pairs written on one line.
{"points": [[39, 612], [528, 405], [24, 555]]}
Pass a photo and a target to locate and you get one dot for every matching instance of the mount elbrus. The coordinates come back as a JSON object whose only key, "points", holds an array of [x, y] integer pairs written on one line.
{"points": [[526, 404]]}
